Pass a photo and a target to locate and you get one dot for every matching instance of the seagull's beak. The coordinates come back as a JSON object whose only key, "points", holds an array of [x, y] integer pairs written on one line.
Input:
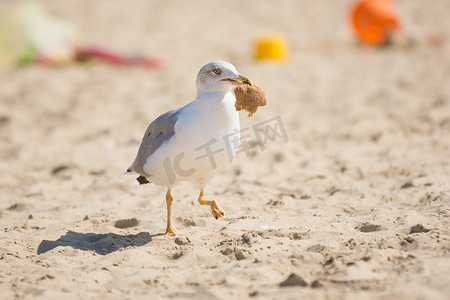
{"points": [[240, 80]]}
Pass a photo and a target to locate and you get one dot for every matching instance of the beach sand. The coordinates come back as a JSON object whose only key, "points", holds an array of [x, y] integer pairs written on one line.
{"points": [[352, 197]]}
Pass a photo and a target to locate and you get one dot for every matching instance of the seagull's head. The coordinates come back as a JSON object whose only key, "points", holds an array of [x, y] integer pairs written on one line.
{"points": [[219, 76]]}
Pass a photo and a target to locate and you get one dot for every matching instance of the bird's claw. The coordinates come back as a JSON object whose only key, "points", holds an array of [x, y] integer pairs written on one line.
{"points": [[171, 232], [217, 211]]}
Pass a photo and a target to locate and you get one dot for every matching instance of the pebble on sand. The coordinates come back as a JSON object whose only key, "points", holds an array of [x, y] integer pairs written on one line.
{"points": [[418, 229], [367, 227], [125, 223], [293, 280]]}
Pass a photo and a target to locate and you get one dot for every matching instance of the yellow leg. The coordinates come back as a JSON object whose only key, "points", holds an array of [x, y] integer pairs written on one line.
{"points": [[216, 210], [170, 230]]}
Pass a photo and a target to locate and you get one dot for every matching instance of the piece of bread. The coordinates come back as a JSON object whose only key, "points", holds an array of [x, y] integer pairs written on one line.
{"points": [[249, 98]]}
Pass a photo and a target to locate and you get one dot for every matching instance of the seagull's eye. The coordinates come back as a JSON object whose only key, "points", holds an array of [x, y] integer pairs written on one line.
{"points": [[217, 71]]}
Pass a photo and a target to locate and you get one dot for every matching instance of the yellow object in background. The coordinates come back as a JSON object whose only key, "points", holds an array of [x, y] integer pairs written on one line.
{"points": [[273, 47]]}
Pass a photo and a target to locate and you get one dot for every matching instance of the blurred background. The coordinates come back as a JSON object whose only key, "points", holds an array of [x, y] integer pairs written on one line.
{"points": [[322, 77], [364, 99]]}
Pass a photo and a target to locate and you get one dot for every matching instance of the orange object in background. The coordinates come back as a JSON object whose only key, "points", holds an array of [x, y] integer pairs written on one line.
{"points": [[373, 21]]}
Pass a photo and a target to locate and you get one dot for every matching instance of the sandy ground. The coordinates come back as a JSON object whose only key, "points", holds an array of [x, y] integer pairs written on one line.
{"points": [[367, 160]]}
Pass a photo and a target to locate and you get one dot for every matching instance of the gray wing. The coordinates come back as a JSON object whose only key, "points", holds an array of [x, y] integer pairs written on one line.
{"points": [[158, 132]]}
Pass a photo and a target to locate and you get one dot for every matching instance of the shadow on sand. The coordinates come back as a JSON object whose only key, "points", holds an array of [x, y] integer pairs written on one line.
{"points": [[100, 243]]}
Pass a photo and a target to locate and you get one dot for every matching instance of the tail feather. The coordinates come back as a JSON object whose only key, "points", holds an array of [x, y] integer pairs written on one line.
{"points": [[142, 180]]}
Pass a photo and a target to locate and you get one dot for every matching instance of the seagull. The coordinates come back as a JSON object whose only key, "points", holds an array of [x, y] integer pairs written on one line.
{"points": [[195, 142]]}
